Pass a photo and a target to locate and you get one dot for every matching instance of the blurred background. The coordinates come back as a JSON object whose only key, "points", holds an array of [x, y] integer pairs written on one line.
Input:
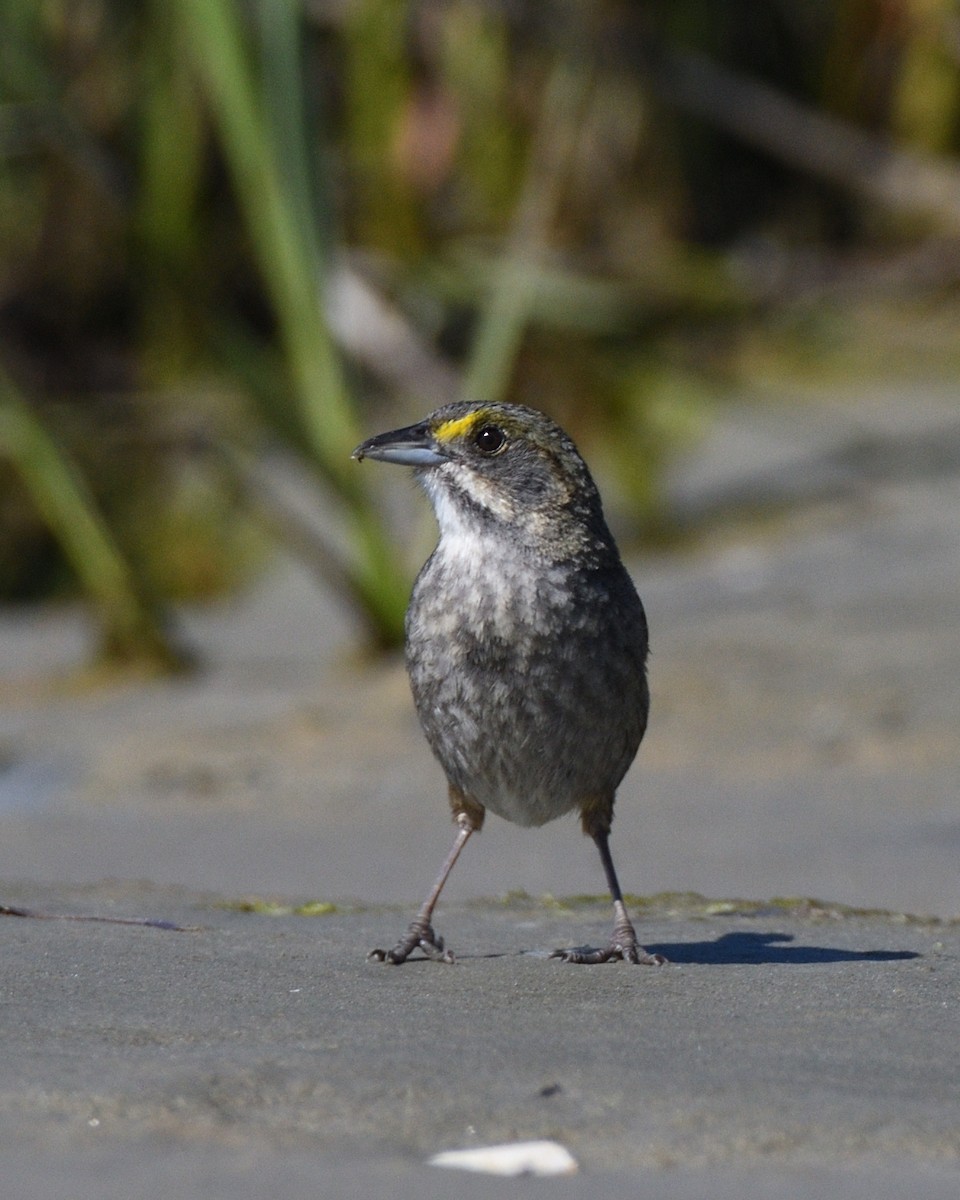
{"points": [[238, 236]]}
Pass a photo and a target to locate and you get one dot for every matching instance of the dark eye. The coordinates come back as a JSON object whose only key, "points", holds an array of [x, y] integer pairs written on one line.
{"points": [[489, 439]]}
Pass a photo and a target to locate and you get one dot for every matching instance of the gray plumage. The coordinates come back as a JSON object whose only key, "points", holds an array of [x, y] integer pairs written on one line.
{"points": [[527, 653]]}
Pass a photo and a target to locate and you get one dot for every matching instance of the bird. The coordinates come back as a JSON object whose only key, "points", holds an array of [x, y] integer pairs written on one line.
{"points": [[525, 641]]}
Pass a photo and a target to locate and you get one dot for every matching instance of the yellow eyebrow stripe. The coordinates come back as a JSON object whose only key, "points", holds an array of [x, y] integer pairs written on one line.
{"points": [[458, 426]]}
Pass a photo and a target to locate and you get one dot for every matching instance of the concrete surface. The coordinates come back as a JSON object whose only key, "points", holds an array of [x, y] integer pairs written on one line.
{"points": [[803, 743], [803, 1039]]}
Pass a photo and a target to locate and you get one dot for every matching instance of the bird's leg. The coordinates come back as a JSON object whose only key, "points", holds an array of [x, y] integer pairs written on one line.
{"points": [[420, 932], [623, 945]]}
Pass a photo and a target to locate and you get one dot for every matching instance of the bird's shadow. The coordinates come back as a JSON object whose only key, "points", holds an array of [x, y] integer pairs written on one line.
{"points": [[756, 948]]}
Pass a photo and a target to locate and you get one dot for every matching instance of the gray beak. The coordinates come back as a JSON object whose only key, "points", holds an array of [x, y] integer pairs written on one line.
{"points": [[410, 447]]}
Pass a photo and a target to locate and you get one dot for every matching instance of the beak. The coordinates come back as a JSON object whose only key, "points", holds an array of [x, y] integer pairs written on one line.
{"points": [[411, 447]]}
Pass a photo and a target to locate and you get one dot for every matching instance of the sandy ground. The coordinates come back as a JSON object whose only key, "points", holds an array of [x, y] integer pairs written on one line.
{"points": [[803, 743]]}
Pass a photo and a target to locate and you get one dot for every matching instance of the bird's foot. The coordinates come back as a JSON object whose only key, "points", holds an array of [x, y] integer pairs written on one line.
{"points": [[623, 947], [419, 935], [612, 953]]}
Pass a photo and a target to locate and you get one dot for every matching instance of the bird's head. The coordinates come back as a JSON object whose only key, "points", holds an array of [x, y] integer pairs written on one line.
{"points": [[503, 469]]}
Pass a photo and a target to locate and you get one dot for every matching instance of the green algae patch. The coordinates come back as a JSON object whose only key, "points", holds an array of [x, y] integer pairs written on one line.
{"points": [[266, 907]]}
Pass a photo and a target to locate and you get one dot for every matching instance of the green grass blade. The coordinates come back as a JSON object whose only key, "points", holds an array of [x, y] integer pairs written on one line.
{"points": [[505, 316], [260, 122], [130, 628]]}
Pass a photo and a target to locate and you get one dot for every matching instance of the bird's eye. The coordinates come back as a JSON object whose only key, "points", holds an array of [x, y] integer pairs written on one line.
{"points": [[488, 439]]}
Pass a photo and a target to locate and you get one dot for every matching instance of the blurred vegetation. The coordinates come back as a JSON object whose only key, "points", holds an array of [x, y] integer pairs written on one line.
{"points": [[240, 235]]}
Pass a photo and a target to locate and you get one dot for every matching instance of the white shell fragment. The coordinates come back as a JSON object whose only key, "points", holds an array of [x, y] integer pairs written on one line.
{"points": [[512, 1158]]}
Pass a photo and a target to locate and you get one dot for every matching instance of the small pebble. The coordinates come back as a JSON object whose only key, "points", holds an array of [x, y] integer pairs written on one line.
{"points": [[513, 1158]]}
